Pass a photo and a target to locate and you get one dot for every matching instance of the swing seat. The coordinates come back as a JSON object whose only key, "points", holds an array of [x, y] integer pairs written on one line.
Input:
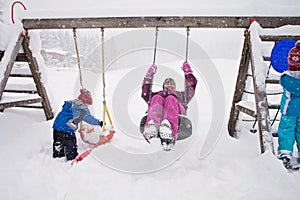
{"points": [[184, 128], [93, 135]]}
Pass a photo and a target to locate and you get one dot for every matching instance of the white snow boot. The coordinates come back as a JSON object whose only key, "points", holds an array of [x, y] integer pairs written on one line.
{"points": [[150, 131], [285, 156], [166, 135]]}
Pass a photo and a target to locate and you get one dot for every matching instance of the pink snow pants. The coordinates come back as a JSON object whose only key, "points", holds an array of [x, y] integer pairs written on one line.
{"points": [[165, 108]]}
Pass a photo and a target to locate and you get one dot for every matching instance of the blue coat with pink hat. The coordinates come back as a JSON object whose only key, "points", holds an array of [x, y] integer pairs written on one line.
{"points": [[73, 110], [66, 123]]}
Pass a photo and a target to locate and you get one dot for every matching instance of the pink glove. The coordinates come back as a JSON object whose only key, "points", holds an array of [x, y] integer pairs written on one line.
{"points": [[151, 71], [186, 68]]}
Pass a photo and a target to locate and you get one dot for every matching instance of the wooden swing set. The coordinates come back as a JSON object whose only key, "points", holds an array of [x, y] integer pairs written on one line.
{"points": [[261, 113]]}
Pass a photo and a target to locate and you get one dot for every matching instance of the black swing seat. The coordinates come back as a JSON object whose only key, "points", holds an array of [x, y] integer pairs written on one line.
{"points": [[184, 128]]}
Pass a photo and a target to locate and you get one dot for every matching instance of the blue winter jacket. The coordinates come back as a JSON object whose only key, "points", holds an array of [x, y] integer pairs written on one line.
{"points": [[290, 101], [72, 110]]}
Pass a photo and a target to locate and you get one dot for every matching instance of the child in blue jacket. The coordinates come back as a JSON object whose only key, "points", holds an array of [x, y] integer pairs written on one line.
{"points": [[289, 126], [66, 123]]}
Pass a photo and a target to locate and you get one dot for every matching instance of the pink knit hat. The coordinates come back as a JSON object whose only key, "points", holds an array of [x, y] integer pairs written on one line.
{"points": [[85, 97], [294, 58]]}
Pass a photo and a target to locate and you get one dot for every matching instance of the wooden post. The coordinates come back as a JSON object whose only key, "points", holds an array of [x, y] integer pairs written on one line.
{"points": [[262, 110], [240, 85], [10, 65], [37, 79]]}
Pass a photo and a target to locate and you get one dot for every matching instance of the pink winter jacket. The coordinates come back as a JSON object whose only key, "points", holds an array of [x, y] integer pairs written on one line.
{"points": [[190, 81]]}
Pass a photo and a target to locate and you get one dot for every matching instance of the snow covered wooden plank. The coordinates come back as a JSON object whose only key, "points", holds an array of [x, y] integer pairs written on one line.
{"points": [[20, 57], [21, 85], [279, 37], [259, 71], [21, 91], [31, 106], [158, 21], [10, 104]]}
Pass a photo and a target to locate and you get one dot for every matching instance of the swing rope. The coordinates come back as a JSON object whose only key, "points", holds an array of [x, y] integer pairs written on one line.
{"points": [[103, 139], [105, 109], [80, 74], [78, 57]]}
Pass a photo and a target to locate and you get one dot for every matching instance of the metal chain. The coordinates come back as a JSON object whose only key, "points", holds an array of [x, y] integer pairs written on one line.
{"points": [[187, 43], [186, 58], [155, 44]]}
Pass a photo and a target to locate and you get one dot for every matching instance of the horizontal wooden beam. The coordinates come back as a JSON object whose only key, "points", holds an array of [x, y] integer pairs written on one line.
{"points": [[266, 58], [274, 106], [272, 81], [20, 57], [167, 22], [246, 110], [28, 106], [21, 75], [21, 91], [279, 37], [19, 103]]}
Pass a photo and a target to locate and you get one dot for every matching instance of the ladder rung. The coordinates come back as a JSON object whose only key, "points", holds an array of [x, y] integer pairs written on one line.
{"points": [[275, 134], [274, 106], [21, 91], [246, 110], [272, 81], [266, 58], [269, 80], [1, 55], [21, 75], [269, 93], [28, 106], [21, 57], [251, 112], [20, 103]]}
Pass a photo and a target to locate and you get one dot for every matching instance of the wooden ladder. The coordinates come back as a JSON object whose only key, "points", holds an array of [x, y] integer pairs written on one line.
{"points": [[261, 110], [40, 94]]}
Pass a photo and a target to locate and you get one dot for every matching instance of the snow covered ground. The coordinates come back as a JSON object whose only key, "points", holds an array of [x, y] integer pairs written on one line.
{"points": [[234, 169]]}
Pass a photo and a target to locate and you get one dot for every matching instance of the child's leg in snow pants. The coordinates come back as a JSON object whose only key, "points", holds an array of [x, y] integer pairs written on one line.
{"points": [[168, 108], [64, 144]]}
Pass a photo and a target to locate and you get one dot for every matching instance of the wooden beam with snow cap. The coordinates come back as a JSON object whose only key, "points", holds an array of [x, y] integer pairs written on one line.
{"points": [[158, 21]]}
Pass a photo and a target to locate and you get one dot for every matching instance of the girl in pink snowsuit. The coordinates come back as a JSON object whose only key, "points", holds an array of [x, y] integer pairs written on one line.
{"points": [[166, 105]]}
